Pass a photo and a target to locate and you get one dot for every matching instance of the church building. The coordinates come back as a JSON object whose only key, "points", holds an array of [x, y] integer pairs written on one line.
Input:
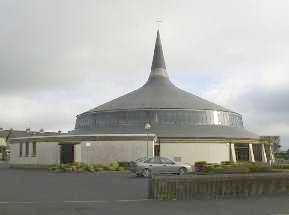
{"points": [[157, 119]]}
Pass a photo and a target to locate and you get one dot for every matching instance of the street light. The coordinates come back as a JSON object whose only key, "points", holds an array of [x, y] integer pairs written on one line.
{"points": [[147, 128]]}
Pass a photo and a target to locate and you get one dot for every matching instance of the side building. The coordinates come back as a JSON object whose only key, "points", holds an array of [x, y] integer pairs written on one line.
{"points": [[6, 135]]}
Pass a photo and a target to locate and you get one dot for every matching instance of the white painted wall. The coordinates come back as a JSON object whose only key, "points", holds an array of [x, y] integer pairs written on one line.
{"points": [[77, 153], [192, 152], [46, 153], [105, 152]]}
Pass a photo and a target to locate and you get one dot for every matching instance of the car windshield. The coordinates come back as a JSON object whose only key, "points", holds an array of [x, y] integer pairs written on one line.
{"points": [[166, 161], [154, 160]]}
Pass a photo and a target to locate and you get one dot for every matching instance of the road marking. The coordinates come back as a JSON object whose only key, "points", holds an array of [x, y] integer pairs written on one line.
{"points": [[131, 200], [90, 201], [25, 202], [17, 203], [72, 201]]}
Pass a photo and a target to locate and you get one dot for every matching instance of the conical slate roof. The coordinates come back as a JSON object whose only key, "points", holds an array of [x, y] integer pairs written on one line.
{"points": [[159, 92]]}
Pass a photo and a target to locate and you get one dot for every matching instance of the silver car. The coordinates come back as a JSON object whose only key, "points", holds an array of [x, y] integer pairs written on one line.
{"points": [[158, 165]]}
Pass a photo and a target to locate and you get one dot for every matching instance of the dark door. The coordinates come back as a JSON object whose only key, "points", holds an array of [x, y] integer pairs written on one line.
{"points": [[66, 153], [157, 150]]}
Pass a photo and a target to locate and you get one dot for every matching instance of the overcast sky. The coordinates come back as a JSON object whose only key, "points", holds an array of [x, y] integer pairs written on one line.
{"points": [[60, 58]]}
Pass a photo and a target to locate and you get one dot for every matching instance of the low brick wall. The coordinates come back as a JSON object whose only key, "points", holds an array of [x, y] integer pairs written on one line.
{"points": [[218, 186]]}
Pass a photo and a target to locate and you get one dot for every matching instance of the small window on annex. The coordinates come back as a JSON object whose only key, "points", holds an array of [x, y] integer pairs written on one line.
{"points": [[20, 149], [27, 149], [34, 151]]}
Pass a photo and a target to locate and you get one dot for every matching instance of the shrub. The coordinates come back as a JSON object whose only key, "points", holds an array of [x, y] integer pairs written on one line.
{"points": [[98, 169], [114, 165], [121, 168], [216, 169], [124, 164], [201, 167], [240, 167], [68, 169], [106, 168], [256, 167], [82, 167], [229, 169], [52, 167], [200, 163], [281, 166], [90, 168], [227, 163]]}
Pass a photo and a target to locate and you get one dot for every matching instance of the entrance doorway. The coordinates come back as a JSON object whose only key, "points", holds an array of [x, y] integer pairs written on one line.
{"points": [[242, 152], [66, 153], [157, 150]]}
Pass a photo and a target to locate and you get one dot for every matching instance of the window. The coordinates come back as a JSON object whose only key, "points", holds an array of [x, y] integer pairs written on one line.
{"points": [[155, 160], [26, 149], [166, 161], [20, 149], [34, 152]]}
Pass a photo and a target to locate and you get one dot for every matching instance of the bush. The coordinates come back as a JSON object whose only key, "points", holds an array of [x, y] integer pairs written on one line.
{"points": [[216, 169], [52, 167], [124, 164], [256, 167], [198, 163], [82, 167], [281, 166], [114, 165], [236, 169], [240, 167], [227, 163], [201, 167], [121, 168]]}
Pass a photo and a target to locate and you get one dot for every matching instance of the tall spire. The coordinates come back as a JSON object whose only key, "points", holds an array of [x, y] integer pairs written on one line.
{"points": [[158, 60], [158, 67]]}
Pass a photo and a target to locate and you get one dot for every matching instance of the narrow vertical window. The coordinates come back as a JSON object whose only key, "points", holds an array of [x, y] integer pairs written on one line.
{"points": [[34, 149], [27, 149], [20, 149]]}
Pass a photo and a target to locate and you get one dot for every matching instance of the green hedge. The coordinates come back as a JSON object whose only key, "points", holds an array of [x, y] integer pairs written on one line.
{"points": [[281, 166], [82, 167], [227, 167]]}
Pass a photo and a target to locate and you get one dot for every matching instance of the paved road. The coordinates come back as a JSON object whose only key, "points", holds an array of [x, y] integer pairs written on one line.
{"points": [[34, 192], [44, 186]]}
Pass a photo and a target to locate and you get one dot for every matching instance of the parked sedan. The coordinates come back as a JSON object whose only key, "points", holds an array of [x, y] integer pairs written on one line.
{"points": [[158, 165]]}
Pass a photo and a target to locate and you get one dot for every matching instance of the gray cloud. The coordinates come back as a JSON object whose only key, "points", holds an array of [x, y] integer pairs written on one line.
{"points": [[60, 58]]}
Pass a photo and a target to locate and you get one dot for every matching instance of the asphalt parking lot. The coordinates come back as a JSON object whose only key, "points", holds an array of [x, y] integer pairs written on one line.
{"points": [[34, 192]]}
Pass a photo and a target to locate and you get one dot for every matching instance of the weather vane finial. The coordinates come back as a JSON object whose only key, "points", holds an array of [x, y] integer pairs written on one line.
{"points": [[159, 22]]}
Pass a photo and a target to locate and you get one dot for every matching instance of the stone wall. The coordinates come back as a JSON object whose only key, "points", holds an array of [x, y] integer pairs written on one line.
{"points": [[218, 186]]}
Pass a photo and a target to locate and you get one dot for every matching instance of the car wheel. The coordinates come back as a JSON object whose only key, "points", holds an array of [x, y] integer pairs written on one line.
{"points": [[146, 173], [182, 171]]}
